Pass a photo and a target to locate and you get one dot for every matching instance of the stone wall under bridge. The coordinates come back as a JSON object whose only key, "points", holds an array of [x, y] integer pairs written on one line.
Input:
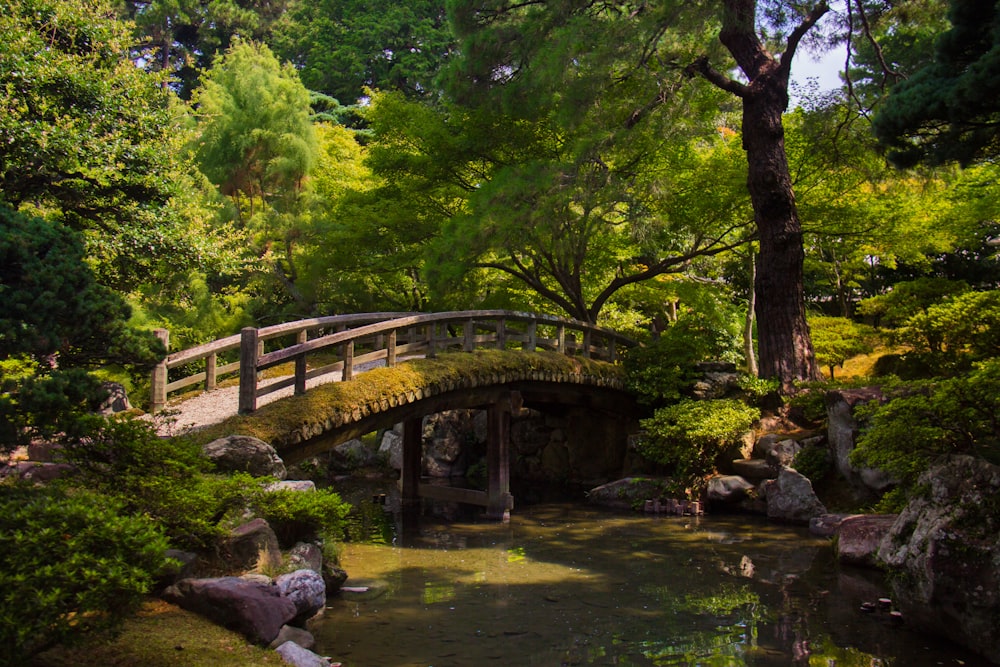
{"points": [[562, 445]]}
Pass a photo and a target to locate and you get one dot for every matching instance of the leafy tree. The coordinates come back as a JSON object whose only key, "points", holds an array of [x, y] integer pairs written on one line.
{"points": [[947, 110], [837, 339], [513, 53], [71, 566], [57, 323], [86, 137], [183, 37], [343, 48], [257, 144], [909, 298], [966, 325]]}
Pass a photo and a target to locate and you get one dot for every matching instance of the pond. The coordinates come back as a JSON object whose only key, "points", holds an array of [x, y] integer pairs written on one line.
{"points": [[569, 584]]}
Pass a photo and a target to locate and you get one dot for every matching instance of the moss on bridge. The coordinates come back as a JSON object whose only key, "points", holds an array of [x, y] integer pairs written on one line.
{"points": [[330, 405]]}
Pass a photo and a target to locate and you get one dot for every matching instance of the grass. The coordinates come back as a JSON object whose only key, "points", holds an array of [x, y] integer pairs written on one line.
{"points": [[163, 635]]}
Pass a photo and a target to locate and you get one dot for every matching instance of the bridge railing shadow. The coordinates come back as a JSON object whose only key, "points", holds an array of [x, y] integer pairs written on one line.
{"points": [[350, 343]]}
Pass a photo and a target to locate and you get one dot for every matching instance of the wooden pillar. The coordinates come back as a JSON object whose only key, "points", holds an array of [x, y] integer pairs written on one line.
{"points": [[413, 436], [211, 365], [561, 339], [469, 331], [300, 364], [531, 337], [431, 340], [501, 334], [499, 501], [158, 381], [586, 343], [249, 350], [390, 350], [348, 361]]}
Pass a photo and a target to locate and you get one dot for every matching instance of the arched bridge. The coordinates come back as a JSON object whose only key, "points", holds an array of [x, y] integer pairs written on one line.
{"points": [[508, 360]]}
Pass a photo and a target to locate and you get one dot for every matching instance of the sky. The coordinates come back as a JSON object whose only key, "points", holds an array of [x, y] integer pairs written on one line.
{"points": [[826, 70]]}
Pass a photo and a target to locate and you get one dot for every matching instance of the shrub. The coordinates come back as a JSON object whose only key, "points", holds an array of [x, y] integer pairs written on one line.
{"points": [[70, 565], [837, 339], [927, 420], [813, 462], [691, 434], [298, 516]]}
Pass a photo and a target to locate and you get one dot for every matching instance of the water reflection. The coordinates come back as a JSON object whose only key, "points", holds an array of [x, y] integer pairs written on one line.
{"points": [[564, 584]]}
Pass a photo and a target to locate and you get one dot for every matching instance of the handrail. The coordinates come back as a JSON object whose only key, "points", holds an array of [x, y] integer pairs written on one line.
{"points": [[388, 335]]}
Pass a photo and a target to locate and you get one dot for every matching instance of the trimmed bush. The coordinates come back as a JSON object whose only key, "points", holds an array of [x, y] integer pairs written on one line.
{"points": [[71, 565]]}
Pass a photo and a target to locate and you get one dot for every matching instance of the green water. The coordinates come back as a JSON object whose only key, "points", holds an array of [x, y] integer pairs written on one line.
{"points": [[566, 584]]}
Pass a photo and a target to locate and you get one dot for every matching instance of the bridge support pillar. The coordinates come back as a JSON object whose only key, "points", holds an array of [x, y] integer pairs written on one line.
{"points": [[412, 454], [499, 501]]}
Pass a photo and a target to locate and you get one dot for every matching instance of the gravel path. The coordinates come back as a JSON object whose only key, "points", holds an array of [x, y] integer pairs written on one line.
{"points": [[212, 407]]}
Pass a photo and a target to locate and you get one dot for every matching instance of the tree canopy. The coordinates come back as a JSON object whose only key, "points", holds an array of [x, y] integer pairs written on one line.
{"points": [[948, 110]]}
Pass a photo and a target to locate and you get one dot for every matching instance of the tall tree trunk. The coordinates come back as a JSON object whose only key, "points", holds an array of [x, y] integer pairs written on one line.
{"points": [[749, 350], [784, 347]]}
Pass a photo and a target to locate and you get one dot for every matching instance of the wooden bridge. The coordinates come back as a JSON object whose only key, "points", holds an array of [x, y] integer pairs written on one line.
{"points": [[342, 346]]}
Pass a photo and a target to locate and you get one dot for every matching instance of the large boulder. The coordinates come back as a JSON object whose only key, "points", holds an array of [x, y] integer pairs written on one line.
{"points": [[391, 448], [842, 433], [791, 498], [728, 489], [306, 589], [253, 609], [946, 546], [243, 453], [783, 453], [351, 455], [627, 493], [251, 544], [859, 537]]}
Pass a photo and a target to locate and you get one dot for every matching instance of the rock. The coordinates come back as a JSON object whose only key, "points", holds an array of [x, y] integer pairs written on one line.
{"points": [[117, 399], [826, 525], [305, 485], [783, 453], [445, 436], [252, 609], [44, 452], [290, 633], [180, 565], [295, 655], [351, 455], [859, 536], [766, 443], [242, 453], [40, 472], [250, 544], [392, 449], [334, 577], [791, 498], [306, 589], [842, 432], [728, 488], [306, 556], [753, 469], [717, 380], [946, 547], [627, 493]]}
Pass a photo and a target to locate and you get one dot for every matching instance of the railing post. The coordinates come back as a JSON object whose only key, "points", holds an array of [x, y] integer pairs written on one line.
{"points": [[431, 346], [390, 350], [348, 360], [561, 339], [531, 337], [300, 364], [211, 364], [586, 343], [469, 331], [249, 351], [501, 334], [612, 349], [158, 380]]}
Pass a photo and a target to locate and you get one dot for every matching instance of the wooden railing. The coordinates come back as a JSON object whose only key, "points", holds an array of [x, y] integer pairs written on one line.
{"points": [[351, 340]]}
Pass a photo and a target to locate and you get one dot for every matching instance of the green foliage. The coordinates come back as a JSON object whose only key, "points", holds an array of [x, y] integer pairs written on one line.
{"points": [[163, 479], [814, 462], [837, 339], [664, 370], [947, 110], [758, 388], [56, 323], [691, 434], [967, 325], [71, 565], [927, 420], [909, 298], [298, 516], [343, 47], [86, 137]]}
